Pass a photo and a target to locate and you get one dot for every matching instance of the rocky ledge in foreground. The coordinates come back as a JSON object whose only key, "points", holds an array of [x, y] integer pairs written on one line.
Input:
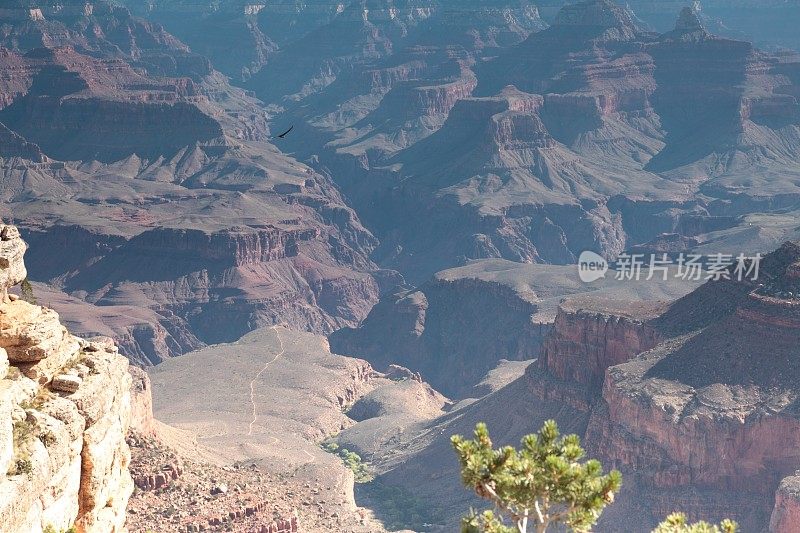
{"points": [[64, 411]]}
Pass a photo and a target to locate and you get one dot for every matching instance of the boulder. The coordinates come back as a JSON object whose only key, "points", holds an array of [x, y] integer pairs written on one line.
{"points": [[66, 383]]}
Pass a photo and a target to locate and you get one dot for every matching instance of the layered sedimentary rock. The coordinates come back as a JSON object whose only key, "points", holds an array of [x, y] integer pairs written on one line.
{"points": [[704, 422], [601, 139], [452, 350], [208, 31], [65, 411], [766, 23], [143, 335], [584, 342], [78, 107], [102, 29], [254, 30], [693, 399], [150, 190], [467, 319], [14, 145], [398, 88]]}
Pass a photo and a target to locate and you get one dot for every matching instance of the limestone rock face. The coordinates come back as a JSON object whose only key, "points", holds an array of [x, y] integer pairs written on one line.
{"points": [[141, 402], [31, 333], [65, 407], [12, 248]]}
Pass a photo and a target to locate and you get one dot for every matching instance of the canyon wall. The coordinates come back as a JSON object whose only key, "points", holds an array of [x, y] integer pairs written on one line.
{"points": [[177, 223], [584, 343], [694, 402], [452, 350], [786, 515], [65, 408], [586, 339]]}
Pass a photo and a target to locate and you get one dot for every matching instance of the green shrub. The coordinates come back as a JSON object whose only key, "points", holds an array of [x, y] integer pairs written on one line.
{"points": [[26, 290], [399, 508], [23, 465], [677, 523], [50, 529], [352, 460], [545, 484]]}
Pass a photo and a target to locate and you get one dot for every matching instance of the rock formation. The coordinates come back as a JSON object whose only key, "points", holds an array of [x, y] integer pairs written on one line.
{"points": [[581, 153], [465, 320], [786, 514], [416, 328], [692, 398], [12, 265], [242, 451], [427, 135], [710, 409], [765, 22], [65, 411], [124, 121]]}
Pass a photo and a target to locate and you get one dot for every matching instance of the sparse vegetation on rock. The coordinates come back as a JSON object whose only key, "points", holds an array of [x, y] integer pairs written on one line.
{"points": [[26, 289], [50, 529], [400, 508], [23, 434], [22, 465]]}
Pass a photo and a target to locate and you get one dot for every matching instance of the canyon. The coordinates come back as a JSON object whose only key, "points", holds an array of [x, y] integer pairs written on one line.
{"points": [[79, 433], [691, 397], [569, 136], [301, 322], [603, 363], [419, 144], [131, 159]]}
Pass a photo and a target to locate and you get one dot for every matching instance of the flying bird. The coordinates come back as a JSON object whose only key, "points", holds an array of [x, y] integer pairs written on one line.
{"points": [[282, 135]]}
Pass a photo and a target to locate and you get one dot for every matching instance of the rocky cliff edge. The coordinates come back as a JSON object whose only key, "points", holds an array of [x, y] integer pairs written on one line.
{"points": [[65, 408]]}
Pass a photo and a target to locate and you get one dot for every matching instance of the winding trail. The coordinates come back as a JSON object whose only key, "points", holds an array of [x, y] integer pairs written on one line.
{"points": [[253, 382]]}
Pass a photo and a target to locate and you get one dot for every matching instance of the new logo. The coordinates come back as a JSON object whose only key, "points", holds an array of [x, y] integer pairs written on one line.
{"points": [[591, 267]]}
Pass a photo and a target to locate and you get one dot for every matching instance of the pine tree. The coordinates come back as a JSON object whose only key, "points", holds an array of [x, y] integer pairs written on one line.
{"points": [[542, 484], [676, 523]]}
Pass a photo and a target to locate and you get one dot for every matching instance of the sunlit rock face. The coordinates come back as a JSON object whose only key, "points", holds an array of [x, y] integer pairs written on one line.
{"points": [[707, 419], [786, 514], [65, 408]]}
